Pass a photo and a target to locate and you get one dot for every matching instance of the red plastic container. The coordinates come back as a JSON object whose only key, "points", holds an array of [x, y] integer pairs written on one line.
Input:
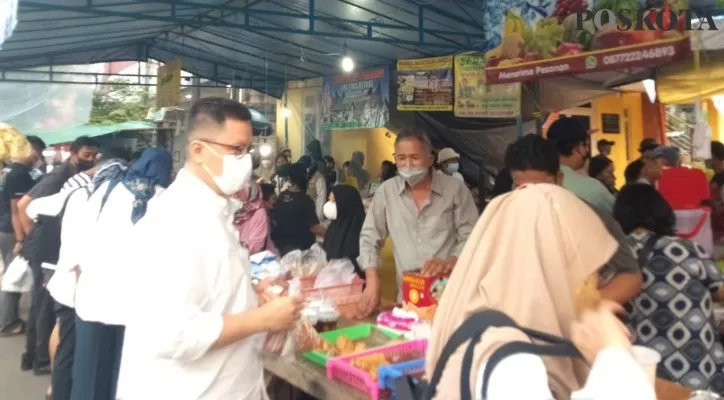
{"points": [[345, 297], [341, 369], [684, 188]]}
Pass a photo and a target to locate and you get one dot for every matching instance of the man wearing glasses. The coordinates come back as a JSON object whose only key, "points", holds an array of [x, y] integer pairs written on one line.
{"points": [[197, 328]]}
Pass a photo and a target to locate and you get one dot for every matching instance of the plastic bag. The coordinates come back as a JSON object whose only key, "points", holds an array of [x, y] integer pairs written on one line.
{"points": [[313, 260], [268, 291], [304, 337], [292, 262], [337, 272], [18, 278], [264, 265]]}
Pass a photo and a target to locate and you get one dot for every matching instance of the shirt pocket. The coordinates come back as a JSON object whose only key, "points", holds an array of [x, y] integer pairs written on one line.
{"points": [[442, 220]]}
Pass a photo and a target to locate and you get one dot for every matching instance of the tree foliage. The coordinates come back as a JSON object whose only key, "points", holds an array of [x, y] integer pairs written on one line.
{"points": [[116, 103]]}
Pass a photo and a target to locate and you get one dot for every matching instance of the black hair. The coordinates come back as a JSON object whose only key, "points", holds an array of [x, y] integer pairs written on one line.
{"points": [[598, 164], [121, 153], [267, 191], [329, 159], [566, 134], [717, 150], [298, 176], [640, 205], [215, 110], [632, 173], [346, 164], [83, 141], [37, 143], [390, 171], [532, 153]]}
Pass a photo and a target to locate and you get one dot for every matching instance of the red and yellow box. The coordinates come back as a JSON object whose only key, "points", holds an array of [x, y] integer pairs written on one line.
{"points": [[421, 293]]}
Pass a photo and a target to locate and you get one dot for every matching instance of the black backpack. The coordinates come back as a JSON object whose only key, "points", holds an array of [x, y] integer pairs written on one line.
{"points": [[42, 244], [473, 329]]}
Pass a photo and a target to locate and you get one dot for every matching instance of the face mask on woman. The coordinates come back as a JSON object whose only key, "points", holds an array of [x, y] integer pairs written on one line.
{"points": [[330, 210], [235, 172], [453, 168]]}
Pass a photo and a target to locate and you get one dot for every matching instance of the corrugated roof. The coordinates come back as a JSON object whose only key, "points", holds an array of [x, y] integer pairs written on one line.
{"points": [[249, 43]]}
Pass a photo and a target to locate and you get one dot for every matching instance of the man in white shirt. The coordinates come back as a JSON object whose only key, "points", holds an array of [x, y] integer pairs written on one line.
{"points": [[195, 330]]}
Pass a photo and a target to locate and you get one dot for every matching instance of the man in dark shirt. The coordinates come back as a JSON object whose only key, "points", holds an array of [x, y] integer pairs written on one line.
{"points": [[41, 318], [16, 182]]}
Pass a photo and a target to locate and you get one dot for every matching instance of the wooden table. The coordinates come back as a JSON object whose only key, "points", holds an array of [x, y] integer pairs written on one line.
{"points": [[311, 379]]}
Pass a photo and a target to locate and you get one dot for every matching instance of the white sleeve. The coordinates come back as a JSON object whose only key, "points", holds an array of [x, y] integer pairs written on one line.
{"points": [[616, 375], [171, 292], [502, 384], [321, 187]]}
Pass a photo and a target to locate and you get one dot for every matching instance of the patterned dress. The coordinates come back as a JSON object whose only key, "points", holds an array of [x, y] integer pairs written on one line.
{"points": [[674, 313]]}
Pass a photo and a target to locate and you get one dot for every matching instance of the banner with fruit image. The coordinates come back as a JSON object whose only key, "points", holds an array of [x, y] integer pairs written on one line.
{"points": [[549, 42], [425, 84], [475, 99]]}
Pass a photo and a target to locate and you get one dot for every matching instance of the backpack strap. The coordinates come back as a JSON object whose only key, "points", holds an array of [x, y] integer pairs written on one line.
{"points": [[473, 328]]}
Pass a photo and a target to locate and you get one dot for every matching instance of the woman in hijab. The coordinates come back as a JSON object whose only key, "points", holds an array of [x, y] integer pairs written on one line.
{"points": [[540, 288], [347, 214], [119, 200], [314, 148], [317, 185], [357, 171], [281, 176], [252, 220]]}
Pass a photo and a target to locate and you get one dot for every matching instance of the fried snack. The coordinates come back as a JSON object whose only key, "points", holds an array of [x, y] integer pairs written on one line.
{"points": [[370, 364], [587, 295], [342, 343]]}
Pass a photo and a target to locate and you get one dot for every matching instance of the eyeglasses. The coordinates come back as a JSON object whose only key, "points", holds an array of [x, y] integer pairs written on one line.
{"points": [[237, 150]]}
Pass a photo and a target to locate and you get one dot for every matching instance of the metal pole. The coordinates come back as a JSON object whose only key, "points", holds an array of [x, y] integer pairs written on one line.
{"points": [[286, 119], [538, 114]]}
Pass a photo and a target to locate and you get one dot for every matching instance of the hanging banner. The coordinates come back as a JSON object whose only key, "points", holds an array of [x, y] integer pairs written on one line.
{"points": [[425, 84], [357, 100], [475, 99], [168, 84], [569, 37]]}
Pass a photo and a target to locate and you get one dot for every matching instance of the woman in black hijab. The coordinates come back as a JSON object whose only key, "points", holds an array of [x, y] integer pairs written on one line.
{"points": [[347, 214]]}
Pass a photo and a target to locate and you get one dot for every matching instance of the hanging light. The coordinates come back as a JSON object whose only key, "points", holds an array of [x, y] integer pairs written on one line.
{"points": [[347, 64], [286, 113], [650, 87]]}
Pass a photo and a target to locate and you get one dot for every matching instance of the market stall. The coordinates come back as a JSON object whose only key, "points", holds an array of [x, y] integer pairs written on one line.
{"points": [[333, 355]]}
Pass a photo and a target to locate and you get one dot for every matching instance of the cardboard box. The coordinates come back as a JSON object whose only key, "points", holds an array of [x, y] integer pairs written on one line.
{"points": [[422, 293]]}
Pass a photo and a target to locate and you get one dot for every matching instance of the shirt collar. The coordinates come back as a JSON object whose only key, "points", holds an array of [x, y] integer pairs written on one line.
{"points": [[201, 192]]}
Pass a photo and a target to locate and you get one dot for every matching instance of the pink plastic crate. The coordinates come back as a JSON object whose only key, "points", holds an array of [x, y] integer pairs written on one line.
{"points": [[340, 369]]}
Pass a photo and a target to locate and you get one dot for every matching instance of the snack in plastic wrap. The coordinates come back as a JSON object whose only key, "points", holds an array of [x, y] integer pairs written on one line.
{"points": [[268, 291], [313, 260], [337, 272], [292, 262]]}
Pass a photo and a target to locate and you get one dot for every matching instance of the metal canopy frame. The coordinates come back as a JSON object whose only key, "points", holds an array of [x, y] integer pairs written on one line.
{"points": [[256, 44]]}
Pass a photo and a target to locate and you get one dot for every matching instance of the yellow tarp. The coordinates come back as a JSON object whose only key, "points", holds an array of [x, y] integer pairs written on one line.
{"points": [[678, 83]]}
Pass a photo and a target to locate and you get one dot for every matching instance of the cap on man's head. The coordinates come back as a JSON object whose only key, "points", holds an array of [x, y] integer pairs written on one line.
{"points": [[668, 153], [446, 154], [648, 144], [604, 142]]}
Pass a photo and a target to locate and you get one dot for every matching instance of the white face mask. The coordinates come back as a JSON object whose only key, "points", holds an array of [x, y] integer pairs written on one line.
{"points": [[412, 175], [235, 172], [330, 210]]}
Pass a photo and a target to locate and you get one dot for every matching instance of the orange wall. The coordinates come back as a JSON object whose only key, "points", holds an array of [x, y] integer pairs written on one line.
{"points": [[373, 142]]}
